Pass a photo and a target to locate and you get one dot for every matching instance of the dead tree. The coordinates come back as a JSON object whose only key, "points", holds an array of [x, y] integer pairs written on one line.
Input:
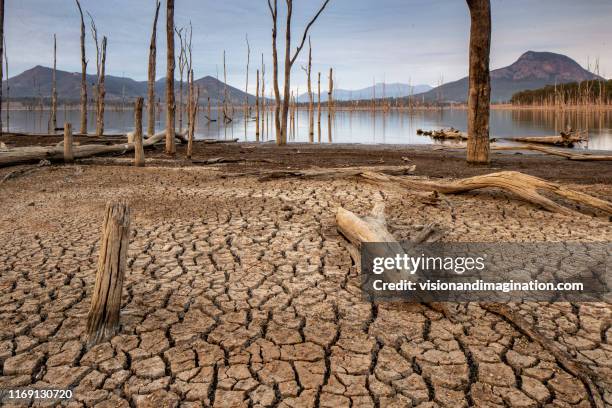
{"points": [[308, 71], [193, 115], [281, 125], [170, 108], [83, 74], [103, 317], [319, 106], [8, 92], [226, 116], [139, 159], [1, 56], [189, 65], [182, 62], [480, 82], [257, 108], [53, 120], [152, 73], [263, 95], [246, 87], [100, 71], [68, 148]]}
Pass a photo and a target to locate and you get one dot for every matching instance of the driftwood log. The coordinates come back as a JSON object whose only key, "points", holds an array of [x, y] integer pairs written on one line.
{"points": [[330, 173], [570, 155], [520, 184], [373, 228], [567, 140], [103, 317]]}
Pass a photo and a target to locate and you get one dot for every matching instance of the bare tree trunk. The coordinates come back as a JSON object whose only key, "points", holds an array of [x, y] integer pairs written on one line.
{"points": [[263, 95], [289, 61], [319, 107], [193, 115], [257, 108], [277, 123], [101, 91], [1, 56], [53, 121], [170, 108], [139, 159], [103, 317], [480, 86], [181, 63], [310, 96], [330, 93], [152, 73], [246, 87], [8, 92], [68, 150], [83, 74]]}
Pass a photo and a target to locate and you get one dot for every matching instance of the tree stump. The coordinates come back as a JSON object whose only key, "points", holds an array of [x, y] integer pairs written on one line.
{"points": [[103, 318], [139, 159], [68, 152]]}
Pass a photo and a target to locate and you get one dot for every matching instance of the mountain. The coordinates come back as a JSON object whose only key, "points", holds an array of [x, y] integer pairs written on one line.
{"points": [[532, 70], [395, 90], [37, 82]]}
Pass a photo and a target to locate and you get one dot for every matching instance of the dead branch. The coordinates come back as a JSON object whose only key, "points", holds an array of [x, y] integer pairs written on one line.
{"points": [[331, 173], [520, 184]]}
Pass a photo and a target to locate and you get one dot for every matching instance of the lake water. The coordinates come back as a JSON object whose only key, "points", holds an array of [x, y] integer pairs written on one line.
{"points": [[393, 127]]}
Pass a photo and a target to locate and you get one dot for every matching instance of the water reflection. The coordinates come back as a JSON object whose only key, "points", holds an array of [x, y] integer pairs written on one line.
{"points": [[391, 127]]}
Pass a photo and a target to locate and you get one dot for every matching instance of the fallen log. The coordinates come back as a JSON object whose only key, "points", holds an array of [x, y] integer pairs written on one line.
{"points": [[520, 184], [54, 153], [215, 141], [556, 152], [266, 175], [567, 141], [450, 133], [373, 228]]}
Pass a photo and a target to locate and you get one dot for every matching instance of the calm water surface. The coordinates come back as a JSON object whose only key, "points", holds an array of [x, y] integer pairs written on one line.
{"points": [[394, 127]]}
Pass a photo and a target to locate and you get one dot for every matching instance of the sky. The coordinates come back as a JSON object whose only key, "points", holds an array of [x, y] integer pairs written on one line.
{"points": [[407, 41]]}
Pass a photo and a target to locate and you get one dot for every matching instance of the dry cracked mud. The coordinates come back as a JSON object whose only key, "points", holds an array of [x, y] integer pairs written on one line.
{"points": [[242, 294]]}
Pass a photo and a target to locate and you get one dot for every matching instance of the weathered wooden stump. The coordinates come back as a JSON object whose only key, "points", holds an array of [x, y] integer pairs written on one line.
{"points": [[103, 318], [68, 152], [139, 159]]}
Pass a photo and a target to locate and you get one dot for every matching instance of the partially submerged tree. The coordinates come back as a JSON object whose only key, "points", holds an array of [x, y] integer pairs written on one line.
{"points": [[152, 69], [281, 123], [8, 91], [53, 119], [101, 75], [83, 74], [480, 83], [246, 87], [1, 56], [170, 108], [310, 95], [182, 63]]}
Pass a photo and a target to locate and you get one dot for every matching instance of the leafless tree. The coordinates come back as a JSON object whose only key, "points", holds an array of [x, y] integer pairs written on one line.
{"points": [[479, 97], [246, 87], [8, 91], [1, 56], [83, 74], [152, 74], [101, 75], [182, 62], [170, 107], [310, 95], [281, 123], [53, 119]]}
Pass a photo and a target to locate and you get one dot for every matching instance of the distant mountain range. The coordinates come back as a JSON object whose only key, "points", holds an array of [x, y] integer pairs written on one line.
{"points": [[394, 90], [532, 70], [37, 81]]}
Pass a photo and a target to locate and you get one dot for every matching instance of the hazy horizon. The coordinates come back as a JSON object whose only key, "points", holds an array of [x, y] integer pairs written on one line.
{"points": [[417, 41]]}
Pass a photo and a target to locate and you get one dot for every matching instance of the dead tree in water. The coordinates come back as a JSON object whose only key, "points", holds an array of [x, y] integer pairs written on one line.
{"points": [[330, 93], [480, 82], [1, 56], [319, 106], [83, 74], [263, 95], [103, 317], [246, 87], [100, 70], [8, 92], [182, 62], [193, 116], [310, 94], [257, 108], [226, 116], [281, 125], [152, 69], [53, 119], [170, 108]]}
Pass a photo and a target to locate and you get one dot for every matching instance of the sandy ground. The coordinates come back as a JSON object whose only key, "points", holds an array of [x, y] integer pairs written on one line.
{"points": [[242, 293]]}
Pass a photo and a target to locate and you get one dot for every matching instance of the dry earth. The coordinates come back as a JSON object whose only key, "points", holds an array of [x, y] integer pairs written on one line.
{"points": [[242, 293]]}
